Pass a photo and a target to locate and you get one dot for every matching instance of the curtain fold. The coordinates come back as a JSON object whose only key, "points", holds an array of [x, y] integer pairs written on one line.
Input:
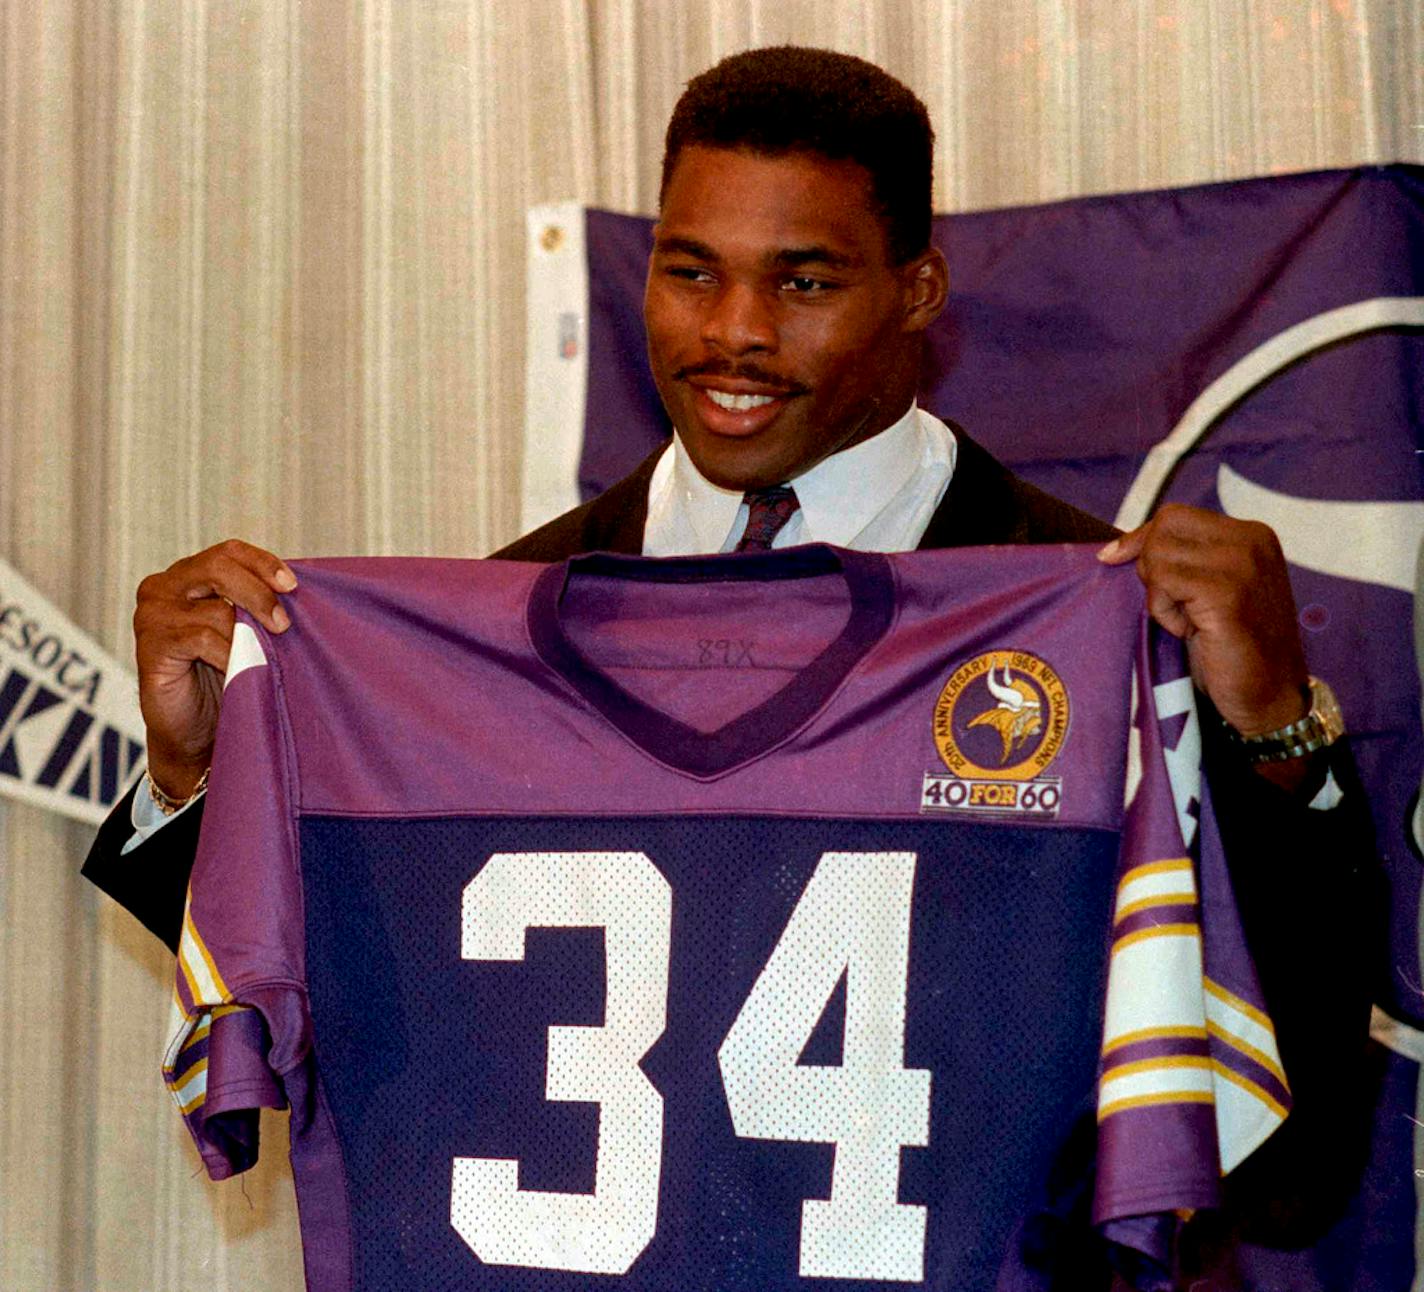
{"points": [[261, 275]]}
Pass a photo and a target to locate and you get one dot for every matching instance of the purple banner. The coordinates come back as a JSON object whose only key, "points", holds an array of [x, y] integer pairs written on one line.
{"points": [[1256, 347]]}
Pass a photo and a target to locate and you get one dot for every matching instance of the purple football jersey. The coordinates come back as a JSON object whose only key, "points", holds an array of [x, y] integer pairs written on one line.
{"points": [[807, 919]]}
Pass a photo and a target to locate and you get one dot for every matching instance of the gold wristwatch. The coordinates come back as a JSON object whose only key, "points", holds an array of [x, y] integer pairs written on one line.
{"points": [[1322, 726]]}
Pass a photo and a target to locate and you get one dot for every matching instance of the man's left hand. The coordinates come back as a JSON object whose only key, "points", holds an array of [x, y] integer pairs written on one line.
{"points": [[1221, 584]]}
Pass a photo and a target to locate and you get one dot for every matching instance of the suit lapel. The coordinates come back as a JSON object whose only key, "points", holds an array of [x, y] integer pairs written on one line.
{"points": [[979, 505]]}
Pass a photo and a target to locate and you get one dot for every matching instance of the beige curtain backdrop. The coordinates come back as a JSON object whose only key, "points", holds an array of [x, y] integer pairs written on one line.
{"points": [[261, 271]]}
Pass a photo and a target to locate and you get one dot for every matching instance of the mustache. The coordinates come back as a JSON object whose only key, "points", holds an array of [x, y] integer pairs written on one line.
{"points": [[740, 372]]}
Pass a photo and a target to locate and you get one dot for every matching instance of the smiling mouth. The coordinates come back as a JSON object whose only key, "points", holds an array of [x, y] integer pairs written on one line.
{"points": [[738, 403], [738, 414]]}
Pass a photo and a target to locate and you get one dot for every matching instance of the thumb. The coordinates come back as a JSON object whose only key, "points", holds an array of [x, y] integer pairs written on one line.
{"points": [[1127, 547]]}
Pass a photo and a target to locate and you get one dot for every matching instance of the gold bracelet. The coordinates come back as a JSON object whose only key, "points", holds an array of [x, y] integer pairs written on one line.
{"points": [[165, 803]]}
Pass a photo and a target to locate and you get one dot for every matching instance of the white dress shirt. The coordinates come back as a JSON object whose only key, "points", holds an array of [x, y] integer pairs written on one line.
{"points": [[877, 496]]}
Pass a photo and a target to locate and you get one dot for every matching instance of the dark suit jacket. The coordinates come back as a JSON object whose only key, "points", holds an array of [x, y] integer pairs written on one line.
{"points": [[1302, 877]]}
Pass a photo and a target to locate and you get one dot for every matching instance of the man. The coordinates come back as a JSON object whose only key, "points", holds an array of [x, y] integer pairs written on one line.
{"points": [[789, 289]]}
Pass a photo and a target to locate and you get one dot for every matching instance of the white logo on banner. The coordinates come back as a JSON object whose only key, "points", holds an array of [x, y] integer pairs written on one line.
{"points": [[71, 736], [1250, 371], [1370, 542]]}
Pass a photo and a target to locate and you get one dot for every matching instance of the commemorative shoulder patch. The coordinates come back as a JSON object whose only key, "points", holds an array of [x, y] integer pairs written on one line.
{"points": [[999, 721]]}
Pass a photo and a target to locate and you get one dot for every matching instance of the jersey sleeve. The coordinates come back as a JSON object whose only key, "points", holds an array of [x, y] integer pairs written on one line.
{"points": [[1191, 1080], [240, 1023]]}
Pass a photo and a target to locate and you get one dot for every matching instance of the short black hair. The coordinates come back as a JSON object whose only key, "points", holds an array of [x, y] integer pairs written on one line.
{"points": [[789, 99]]}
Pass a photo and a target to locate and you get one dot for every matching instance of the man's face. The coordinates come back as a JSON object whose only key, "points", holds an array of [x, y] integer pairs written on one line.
{"points": [[778, 330]]}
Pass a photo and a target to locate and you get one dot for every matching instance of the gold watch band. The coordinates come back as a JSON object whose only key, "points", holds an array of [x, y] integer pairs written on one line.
{"points": [[1321, 727]]}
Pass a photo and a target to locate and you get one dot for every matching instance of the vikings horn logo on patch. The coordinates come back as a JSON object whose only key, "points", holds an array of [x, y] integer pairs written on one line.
{"points": [[999, 722], [1017, 716]]}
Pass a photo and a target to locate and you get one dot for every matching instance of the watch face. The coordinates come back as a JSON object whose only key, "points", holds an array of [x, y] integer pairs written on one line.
{"points": [[1325, 708]]}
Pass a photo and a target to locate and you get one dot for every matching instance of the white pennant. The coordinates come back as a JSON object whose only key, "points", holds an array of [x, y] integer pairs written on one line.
{"points": [[71, 736]]}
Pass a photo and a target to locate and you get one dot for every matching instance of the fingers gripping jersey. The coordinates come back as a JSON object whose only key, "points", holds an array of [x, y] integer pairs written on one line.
{"points": [[799, 920]]}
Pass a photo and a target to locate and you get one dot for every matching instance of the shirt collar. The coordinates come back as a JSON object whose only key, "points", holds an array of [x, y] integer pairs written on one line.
{"points": [[843, 493], [839, 495]]}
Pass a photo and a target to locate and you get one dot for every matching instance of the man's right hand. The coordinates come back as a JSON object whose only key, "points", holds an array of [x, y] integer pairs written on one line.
{"points": [[182, 634]]}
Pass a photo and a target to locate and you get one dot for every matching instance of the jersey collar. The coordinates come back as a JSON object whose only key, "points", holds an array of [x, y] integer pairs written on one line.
{"points": [[868, 580]]}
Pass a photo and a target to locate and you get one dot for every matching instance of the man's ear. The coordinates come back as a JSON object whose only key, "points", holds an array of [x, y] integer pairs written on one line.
{"points": [[926, 283]]}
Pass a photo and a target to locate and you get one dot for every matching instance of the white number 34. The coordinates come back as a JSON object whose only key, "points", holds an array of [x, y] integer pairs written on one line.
{"points": [[853, 919]]}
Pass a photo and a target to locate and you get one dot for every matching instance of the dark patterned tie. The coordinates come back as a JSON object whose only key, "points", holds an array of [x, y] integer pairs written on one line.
{"points": [[769, 510]]}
